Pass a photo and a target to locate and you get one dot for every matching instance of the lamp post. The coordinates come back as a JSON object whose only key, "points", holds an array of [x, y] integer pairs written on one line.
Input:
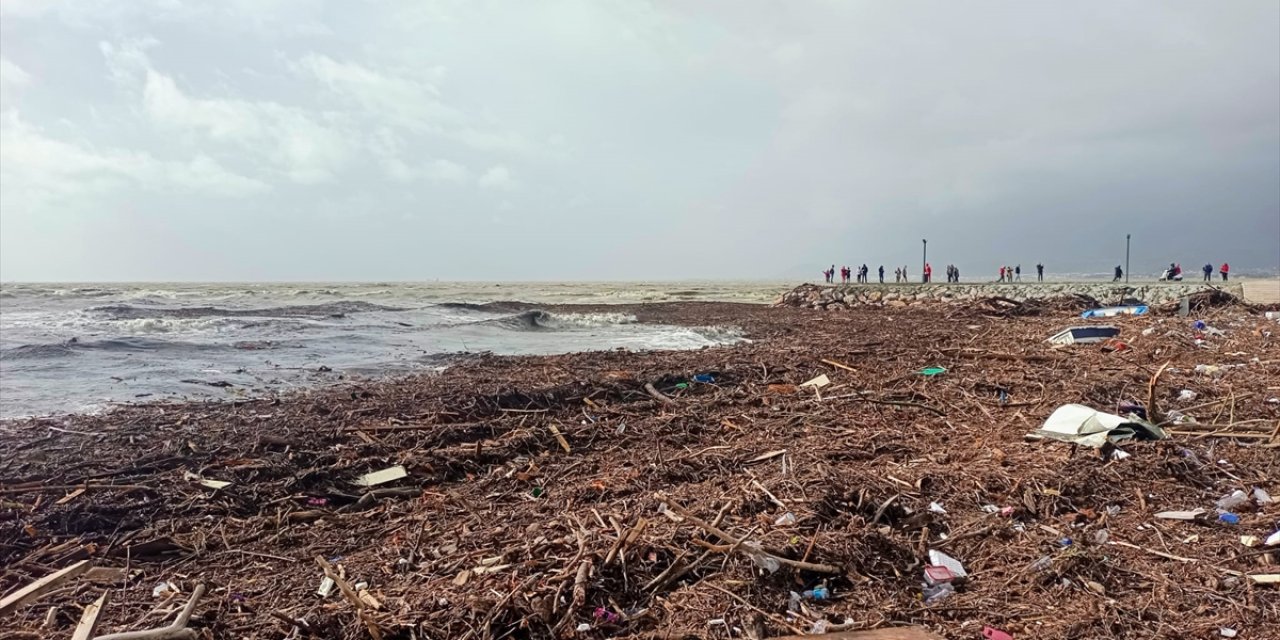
{"points": [[1127, 236], [924, 260]]}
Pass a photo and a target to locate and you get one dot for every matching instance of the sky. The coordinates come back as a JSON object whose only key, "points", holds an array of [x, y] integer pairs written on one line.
{"points": [[258, 140]]}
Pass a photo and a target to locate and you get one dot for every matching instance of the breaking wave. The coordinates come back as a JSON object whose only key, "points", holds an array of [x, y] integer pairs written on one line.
{"points": [[538, 320], [124, 345], [326, 310]]}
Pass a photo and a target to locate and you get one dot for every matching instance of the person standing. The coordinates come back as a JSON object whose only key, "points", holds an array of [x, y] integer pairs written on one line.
{"points": [[1119, 274], [881, 274], [1208, 272], [1017, 271], [1226, 268], [1001, 273], [1039, 272], [928, 272]]}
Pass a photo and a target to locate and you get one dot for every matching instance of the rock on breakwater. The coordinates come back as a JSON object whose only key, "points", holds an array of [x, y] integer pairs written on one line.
{"points": [[815, 296]]}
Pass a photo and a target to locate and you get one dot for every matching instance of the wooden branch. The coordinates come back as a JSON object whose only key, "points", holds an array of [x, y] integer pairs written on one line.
{"points": [[351, 596], [1153, 413], [89, 620], [72, 487], [176, 631], [738, 543], [44, 585], [839, 365]]}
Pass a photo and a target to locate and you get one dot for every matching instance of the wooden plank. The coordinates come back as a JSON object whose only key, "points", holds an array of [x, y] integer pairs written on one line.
{"points": [[89, 621], [33, 591]]}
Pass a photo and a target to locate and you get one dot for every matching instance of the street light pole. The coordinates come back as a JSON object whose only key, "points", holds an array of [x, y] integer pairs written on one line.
{"points": [[924, 260], [1126, 257]]}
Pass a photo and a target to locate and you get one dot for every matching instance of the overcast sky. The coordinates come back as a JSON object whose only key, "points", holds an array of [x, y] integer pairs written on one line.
{"points": [[601, 139]]}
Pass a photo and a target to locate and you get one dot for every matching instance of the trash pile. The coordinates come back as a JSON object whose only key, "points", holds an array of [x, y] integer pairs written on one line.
{"points": [[840, 472]]}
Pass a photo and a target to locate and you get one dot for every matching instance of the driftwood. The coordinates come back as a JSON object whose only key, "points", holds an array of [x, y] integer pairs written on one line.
{"points": [[177, 630], [658, 395], [42, 586], [89, 619]]}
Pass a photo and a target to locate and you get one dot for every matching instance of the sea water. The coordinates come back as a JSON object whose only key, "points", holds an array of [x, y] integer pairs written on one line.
{"points": [[76, 348]]}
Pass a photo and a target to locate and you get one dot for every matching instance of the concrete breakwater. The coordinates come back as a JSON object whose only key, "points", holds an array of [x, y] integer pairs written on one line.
{"points": [[815, 296]]}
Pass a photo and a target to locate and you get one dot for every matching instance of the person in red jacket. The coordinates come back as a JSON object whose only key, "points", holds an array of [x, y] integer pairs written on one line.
{"points": [[928, 272], [1226, 268]]}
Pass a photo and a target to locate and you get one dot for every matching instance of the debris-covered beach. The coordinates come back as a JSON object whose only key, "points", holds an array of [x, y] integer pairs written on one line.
{"points": [[708, 493]]}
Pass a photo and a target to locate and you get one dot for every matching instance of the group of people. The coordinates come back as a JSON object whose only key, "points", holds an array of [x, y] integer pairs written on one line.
{"points": [[861, 273], [1007, 274], [953, 273], [1224, 270], [1174, 272], [1014, 273]]}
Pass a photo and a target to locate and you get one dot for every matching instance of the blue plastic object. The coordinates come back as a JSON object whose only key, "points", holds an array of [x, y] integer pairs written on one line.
{"points": [[704, 378], [1229, 518]]}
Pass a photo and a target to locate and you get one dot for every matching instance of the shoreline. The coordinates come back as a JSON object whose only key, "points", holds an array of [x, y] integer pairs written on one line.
{"points": [[523, 470]]}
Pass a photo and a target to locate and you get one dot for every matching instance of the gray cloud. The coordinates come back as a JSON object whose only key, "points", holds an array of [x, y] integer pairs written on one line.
{"points": [[291, 139]]}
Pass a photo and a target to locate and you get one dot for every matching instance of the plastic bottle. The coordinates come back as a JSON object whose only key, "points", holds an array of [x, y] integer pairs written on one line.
{"points": [[1233, 501], [938, 592]]}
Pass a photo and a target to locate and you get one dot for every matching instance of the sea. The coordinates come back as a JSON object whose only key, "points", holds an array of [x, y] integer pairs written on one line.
{"points": [[77, 348]]}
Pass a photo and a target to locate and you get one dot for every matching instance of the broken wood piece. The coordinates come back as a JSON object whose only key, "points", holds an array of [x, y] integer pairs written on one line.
{"points": [[564, 444], [350, 594], [70, 496], [384, 476], [658, 395], [1181, 515], [177, 630], [89, 619], [1265, 578], [766, 456], [890, 633], [207, 483], [624, 539], [35, 590], [839, 365]]}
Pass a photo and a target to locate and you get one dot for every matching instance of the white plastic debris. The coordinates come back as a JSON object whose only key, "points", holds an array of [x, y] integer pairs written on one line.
{"points": [[584, 627], [1272, 540], [760, 558], [785, 520], [1186, 395], [818, 382], [1181, 515], [936, 507], [326, 587], [1261, 496], [162, 588], [1227, 632], [1233, 501], [382, 477], [941, 559]]}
